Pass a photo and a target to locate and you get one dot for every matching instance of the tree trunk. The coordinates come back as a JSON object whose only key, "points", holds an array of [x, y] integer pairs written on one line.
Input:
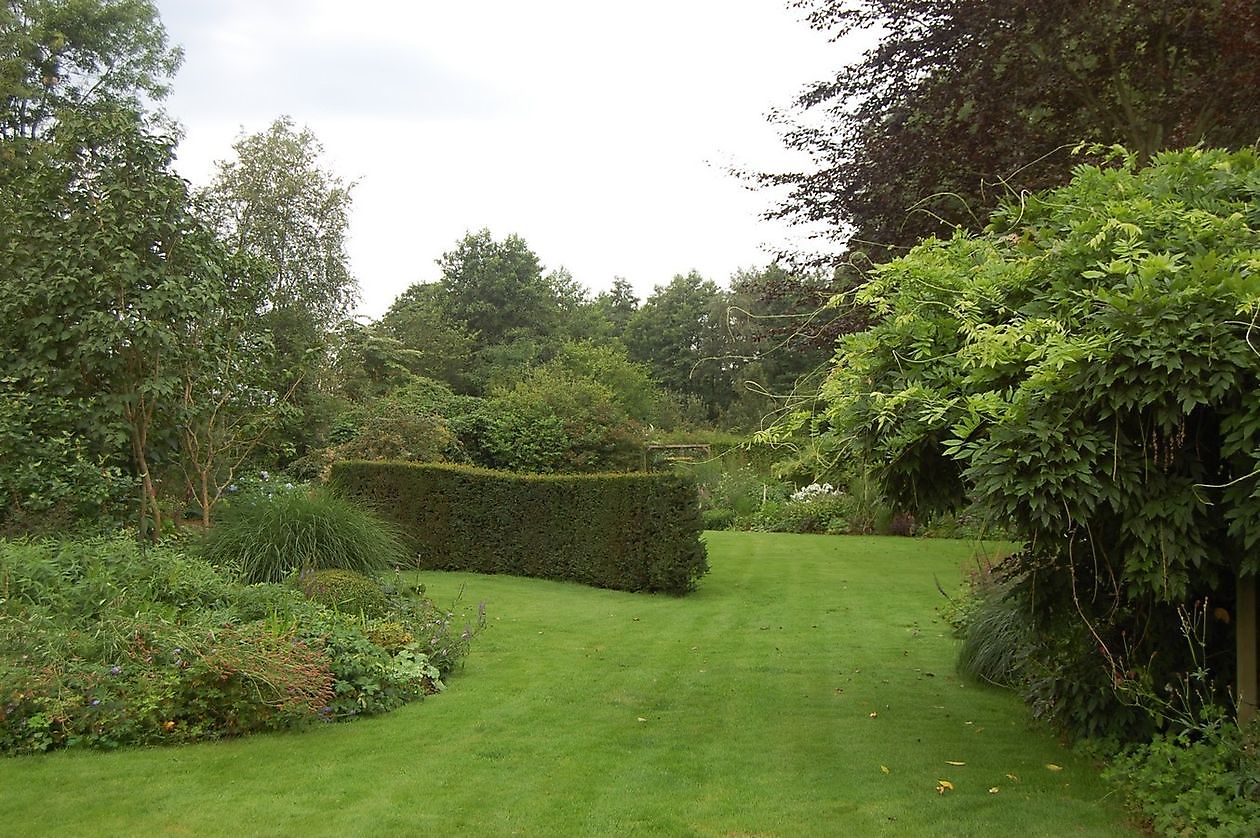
{"points": [[149, 494], [205, 497], [1246, 628]]}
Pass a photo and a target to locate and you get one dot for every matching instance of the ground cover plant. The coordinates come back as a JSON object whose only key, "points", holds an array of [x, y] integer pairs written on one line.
{"points": [[104, 643], [803, 689]]}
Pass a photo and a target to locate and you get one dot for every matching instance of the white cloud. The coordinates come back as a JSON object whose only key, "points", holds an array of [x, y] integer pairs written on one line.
{"points": [[597, 132]]}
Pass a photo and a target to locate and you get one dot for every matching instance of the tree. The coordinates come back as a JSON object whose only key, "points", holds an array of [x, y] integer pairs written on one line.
{"points": [[783, 330], [609, 364], [229, 403], [618, 305], [1085, 370], [436, 345], [78, 55], [962, 104], [681, 333], [106, 273], [581, 318], [496, 290], [277, 203], [495, 296]]}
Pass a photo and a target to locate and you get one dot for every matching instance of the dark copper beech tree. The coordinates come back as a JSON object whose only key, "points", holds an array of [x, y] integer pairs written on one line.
{"points": [[963, 101]]}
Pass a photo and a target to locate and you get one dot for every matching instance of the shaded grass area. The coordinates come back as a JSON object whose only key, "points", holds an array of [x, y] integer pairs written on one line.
{"points": [[744, 709]]}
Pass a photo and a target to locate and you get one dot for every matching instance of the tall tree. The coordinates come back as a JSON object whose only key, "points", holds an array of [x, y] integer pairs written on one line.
{"points": [[496, 289], [436, 346], [277, 203], [782, 329], [961, 104], [80, 55], [681, 333], [618, 305], [105, 274]]}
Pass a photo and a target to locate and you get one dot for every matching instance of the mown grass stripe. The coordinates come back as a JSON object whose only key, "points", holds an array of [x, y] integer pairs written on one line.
{"points": [[751, 729]]}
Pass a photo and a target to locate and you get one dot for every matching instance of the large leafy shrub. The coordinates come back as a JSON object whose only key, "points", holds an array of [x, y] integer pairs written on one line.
{"points": [[1087, 371], [637, 532], [417, 422], [556, 421], [267, 537], [50, 478]]}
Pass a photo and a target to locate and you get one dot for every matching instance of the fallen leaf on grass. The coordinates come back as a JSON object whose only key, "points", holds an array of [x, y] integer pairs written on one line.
{"points": [[642, 719], [885, 769], [994, 790], [874, 714], [943, 786], [1054, 767], [954, 762], [1012, 778]]}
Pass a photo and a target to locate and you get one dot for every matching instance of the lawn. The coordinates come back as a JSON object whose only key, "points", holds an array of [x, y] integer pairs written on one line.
{"points": [[806, 688]]}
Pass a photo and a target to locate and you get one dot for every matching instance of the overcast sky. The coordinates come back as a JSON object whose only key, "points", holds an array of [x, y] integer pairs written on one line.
{"points": [[599, 132]]}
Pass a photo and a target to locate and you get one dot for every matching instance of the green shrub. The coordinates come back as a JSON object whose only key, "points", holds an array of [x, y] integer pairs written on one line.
{"points": [[345, 591], [1052, 660], [718, 519], [102, 575], [745, 491], [635, 532], [104, 644], [438, 632], [50, 478], [1198, 782], [416, 439], [555, 422], [223, 681], [267, 538]]}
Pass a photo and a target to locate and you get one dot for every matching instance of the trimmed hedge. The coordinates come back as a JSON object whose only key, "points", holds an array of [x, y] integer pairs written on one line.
{"points": [[630, 532]]}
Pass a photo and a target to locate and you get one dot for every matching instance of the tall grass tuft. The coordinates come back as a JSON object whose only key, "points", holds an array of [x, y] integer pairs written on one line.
{"points": [[267, 538], [997, 638]]}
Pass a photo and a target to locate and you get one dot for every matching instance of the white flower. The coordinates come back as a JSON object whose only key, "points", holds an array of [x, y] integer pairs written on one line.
{"points": [[814, 490]]}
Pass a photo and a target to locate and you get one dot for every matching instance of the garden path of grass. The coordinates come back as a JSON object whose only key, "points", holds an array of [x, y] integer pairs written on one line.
{"points": [[806, 688]]}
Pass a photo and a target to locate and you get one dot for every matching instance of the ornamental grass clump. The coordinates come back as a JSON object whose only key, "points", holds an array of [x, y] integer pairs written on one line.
{"points": [[266, 538]]}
